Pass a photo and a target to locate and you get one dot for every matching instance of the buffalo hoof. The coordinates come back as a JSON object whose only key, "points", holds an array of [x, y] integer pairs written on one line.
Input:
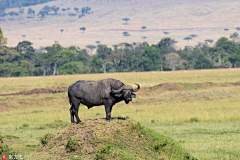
{"points": [[109, 120], [79, 122], [73, 122]]}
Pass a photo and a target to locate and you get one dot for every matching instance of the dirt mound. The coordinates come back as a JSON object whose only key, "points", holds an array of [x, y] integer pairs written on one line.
{"points": [[39, 91], [189, 86], [166, 86], [119, 139], [201, 85]]}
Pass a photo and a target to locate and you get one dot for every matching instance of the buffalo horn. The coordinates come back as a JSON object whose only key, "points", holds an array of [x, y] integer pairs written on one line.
{"points": [[118, 90], [135, 90]]}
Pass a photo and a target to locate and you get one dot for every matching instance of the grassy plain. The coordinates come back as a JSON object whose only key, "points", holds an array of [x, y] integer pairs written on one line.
{"points": [[199, 109]]}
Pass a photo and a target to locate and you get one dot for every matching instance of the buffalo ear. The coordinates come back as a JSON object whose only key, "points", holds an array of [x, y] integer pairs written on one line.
{"points": [[133, 95], [117, 95]]}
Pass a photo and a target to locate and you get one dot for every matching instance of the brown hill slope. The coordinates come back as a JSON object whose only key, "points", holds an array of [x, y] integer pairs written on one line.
{"points": [[207, 19], [119, 139]]}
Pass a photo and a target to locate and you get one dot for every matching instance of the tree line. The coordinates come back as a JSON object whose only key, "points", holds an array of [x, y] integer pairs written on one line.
{"points": [[24, 60], [20, 3], [45, 11]]}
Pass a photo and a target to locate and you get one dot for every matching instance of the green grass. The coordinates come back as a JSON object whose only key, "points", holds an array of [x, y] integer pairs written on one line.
{"points": [[218, 140], [184, 100]]}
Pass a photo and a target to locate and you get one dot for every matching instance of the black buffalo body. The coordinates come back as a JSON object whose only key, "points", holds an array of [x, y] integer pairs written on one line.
{"points": [[95, 93]]}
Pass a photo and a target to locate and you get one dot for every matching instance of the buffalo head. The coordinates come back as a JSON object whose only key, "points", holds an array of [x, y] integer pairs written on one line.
{"points": [[126, 91]]}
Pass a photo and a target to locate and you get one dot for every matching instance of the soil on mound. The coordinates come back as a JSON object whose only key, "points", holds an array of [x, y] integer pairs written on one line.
{"points": [[39, 91], [166, 86], [119, 139], [189, 86]]}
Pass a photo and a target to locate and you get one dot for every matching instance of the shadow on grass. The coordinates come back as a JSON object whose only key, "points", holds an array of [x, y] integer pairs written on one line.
{"points": [[113, 118]]}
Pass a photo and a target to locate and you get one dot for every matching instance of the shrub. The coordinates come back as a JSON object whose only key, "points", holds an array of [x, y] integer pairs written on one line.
{"points": [[73, 145], [4, 149], [45, 138], [25, 125], [194, 119], [102, 151]]}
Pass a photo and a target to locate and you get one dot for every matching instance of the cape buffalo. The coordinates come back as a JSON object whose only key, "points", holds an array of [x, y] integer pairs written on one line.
{"points": [[95, 93]]}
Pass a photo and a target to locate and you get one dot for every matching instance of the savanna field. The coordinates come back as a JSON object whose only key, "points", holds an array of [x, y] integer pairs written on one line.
{"points": [[199, 110]]}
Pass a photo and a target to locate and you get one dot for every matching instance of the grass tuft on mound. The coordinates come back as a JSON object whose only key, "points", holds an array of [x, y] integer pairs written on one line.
{"points": [[119, 139]]}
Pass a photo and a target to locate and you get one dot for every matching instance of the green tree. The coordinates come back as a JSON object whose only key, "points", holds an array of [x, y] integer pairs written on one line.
{"points": [[146, 63], [12, 14], [42, 13], [230, 48], [55, 9], [52, 50], [88, 9], [63, 57], [154, 55], [234, 36], [126, 19], [26, 49], [187, 38], [96, 65], [102, 53], [83, 11], [72, 67], [91, 47], [8, 60], [203, 63], [193, 35], [45, 62], [3, 40], [115, 58], [166, 33], [165, 46], [172, 60], [2, 15], [31, 12], [76, 9], [46, 9], [24, 69], [143, 37], [83, 29]]}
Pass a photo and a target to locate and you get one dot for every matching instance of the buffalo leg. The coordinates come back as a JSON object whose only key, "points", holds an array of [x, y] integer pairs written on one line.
{"points": [[72, 115], [111, 112], [75, 106], [108, 110]]}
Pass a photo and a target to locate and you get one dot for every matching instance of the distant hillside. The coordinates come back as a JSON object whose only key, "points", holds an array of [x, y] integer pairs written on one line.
{"points": [[148, 21], [119, 139], [20, 3]]}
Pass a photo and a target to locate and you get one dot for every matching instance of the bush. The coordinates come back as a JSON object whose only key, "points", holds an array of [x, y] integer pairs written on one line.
{"points": [[73, 145], [25, 125], [194, 119], [102, 151], [45, 139], [4, 149]]}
